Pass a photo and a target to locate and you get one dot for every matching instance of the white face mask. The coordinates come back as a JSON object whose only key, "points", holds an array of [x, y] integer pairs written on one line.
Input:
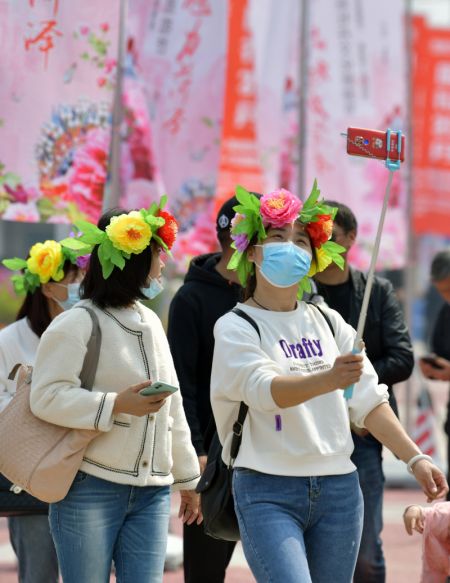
{"points": [[73, 295], [153, 290]]}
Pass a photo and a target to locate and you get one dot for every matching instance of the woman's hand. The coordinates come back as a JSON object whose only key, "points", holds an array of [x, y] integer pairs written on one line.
{"points": [[432, 372], [346, 371], [413, 519], [431, 479], [190, 510], [131, 402]]}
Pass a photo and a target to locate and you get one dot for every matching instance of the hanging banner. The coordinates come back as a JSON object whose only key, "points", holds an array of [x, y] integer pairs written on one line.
{"points": [[358, 78], [274, 28], [239, 157], [431, 114], [182, 62], [57, 74]]}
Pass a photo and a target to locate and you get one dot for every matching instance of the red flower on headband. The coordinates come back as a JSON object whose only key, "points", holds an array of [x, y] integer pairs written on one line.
{"points": [[321, 230], [168, 232]]}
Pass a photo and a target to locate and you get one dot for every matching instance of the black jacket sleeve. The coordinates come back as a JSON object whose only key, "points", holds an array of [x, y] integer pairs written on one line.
{"points": [[184, 342], [440, 341], [395, 359]]}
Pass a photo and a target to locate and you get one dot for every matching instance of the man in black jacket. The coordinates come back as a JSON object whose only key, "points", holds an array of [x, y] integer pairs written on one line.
{"points": [[438, 367], [388, 347], [208, 292]]}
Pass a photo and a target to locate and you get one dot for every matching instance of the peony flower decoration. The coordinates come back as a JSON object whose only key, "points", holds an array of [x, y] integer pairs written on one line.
{"points": [[45, 262], [321, 230], [129, 233], [126, 234], [276, 209], [168, 232], [279, 208]]}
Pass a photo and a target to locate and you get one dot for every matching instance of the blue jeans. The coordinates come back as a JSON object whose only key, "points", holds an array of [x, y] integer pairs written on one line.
{"points": [[370, 567], [99, 522], [32, 542], [299, 530]]}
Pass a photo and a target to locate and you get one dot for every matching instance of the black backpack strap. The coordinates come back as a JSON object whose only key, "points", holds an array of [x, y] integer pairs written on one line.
{"points": [[324, 314], [243, 409], [249, 319]]}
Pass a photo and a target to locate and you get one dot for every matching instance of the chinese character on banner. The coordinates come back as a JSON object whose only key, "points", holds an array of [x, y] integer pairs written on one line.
{"points": [[43, 33]]}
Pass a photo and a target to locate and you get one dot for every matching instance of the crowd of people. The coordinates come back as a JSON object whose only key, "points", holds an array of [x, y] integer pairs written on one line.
{"points": [[308, 478]]}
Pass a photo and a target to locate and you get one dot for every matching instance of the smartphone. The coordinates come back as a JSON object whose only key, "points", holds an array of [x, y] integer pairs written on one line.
{"points": [[157, 388], [431, 360], [373, 144]]}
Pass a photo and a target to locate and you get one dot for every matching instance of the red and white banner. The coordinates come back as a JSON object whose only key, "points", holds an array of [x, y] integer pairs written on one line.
{"points": [[182, 62], [431, 117], [358, 78]]}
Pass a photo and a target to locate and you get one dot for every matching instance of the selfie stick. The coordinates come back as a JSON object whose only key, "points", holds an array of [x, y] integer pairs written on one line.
{"points": [[392, 166]]}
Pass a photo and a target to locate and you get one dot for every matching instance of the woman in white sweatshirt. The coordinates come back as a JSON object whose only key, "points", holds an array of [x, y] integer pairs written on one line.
{"points": [[51, 283], [296, 491], [118, 507]]}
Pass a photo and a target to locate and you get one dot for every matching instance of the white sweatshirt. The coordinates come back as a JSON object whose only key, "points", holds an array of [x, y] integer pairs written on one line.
{"points": [[310, 439], [153, 450], [18, 343]]}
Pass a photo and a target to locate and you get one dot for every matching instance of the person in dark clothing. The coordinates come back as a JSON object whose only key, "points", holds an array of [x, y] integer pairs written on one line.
{"points": [[208, 292], [389, 349], [439, 366]]}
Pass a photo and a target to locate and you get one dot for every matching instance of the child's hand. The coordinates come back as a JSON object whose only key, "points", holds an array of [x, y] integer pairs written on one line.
{"points": [[413, 519]]}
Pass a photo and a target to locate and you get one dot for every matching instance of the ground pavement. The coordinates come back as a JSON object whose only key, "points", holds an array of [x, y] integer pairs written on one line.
{"points": [[402, 551]]}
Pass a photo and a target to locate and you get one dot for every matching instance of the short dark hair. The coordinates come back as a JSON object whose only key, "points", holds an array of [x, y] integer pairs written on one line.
{"points": [[122, 287], [344, 217], [35, 306], [440, 266]]}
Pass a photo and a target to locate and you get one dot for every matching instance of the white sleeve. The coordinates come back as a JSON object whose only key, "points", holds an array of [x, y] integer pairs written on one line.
{"points": [[367, 393], [56, 393], [241, 370]]}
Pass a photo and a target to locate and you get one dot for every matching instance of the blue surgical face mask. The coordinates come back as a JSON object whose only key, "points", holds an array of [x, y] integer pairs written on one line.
{"points": [[152, 290], [284, 264], [73, 295]]}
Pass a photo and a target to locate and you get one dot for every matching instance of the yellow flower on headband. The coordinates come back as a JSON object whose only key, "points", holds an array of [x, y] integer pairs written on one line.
{"points": [[129, 233], [46, 261], [321, 262]]}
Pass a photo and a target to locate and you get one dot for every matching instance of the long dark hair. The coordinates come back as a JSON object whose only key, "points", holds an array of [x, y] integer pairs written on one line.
{"points": [[122, 287], [35, 306]]}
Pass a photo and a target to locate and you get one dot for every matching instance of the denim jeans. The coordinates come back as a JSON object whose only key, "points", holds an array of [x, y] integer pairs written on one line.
{"points": [[100, 521], [299, 530], [370, 567], [33, 544]]}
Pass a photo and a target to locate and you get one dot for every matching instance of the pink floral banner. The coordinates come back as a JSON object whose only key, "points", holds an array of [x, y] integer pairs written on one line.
{"points": [[182, 58], [57, 77], [358, 78]]}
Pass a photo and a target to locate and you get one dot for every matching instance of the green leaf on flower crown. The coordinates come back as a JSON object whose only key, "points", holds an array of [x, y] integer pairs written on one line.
{"points": [[117, 258], [235, 258], [244, 270], [92, 235], [107, 268], [335, 252], [151, 211], [15, 264], [126, 255], [163, 201], [31, 281], [105, 250], [154, 222], [312, 198], [161, 243], [18, 282], [76, 245], [304, 287]]}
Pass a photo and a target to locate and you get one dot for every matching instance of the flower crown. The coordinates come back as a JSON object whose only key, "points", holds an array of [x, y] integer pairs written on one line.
{"points": [[126, 234], [45, 263], [276, 209]]}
